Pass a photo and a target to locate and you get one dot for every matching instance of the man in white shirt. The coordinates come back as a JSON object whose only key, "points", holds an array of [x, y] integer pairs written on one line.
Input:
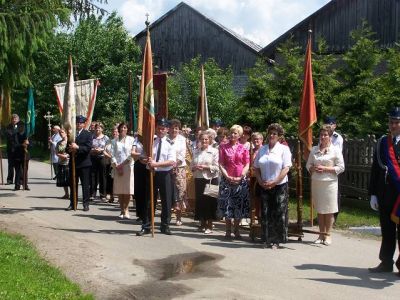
{"points": [[162, 162], [337, 141], [178, 142]]}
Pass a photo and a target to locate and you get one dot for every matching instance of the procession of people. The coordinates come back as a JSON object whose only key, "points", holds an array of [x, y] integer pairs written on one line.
{"points": [[118, 167]]}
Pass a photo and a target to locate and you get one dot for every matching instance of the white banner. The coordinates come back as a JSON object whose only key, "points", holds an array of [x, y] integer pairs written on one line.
{"points": [[85, 97]]}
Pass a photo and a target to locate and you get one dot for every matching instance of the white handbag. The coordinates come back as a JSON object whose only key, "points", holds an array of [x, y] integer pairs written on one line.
{"points": [[211, 190]]}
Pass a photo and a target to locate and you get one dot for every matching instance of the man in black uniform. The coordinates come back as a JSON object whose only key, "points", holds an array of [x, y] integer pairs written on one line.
{"points": [[384, 192], [81, 149], [11, 133]]}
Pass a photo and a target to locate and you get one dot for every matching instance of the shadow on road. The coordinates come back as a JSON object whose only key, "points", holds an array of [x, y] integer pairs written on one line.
{"points": [[101, 231], [358, 277], [14, 210]]}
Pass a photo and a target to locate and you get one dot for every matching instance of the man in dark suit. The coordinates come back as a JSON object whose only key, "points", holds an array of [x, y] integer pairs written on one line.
{"points": [[11, 133], [385, 189], [81, 149]]}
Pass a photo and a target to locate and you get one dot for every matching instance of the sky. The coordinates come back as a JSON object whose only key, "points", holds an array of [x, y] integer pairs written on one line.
{"points": [[260, 21]]}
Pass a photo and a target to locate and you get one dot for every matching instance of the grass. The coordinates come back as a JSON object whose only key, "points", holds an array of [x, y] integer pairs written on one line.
{"points": [[25, 275], [352, 213]]}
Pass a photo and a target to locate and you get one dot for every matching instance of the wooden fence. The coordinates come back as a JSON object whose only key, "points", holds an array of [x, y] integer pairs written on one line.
{"points": [[357, 154]]}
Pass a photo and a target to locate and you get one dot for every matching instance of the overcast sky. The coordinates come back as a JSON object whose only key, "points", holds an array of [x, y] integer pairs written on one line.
{"points": [[261, 21]]}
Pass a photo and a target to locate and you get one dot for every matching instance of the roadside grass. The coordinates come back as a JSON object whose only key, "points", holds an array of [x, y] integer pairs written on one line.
{"points": [[353, 213], [25, 275]]}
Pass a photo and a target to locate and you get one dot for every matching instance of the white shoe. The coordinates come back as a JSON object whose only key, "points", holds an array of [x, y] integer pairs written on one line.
{"points": [[207, 231], [121, 216], [127, 216], [178, 223], [318, 241]]}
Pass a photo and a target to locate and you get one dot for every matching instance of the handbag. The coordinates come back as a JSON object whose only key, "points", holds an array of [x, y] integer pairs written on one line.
{"points": [[211, 190]]}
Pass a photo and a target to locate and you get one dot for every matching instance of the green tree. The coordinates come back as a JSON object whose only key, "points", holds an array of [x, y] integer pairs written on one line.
{"points": [[184, 86], [325, 79], [100, 49], [273, 92], [359, 90]]}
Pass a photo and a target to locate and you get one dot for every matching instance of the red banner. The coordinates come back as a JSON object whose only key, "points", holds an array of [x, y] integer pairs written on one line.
{"points": [[146, 120], [308, 113], [160, 95]]}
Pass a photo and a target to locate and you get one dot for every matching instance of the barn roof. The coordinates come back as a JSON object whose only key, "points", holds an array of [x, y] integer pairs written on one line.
{"points": [[242, 40], [336, 19]]}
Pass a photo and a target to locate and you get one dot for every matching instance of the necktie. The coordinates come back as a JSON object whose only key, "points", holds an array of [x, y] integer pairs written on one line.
{"points": [[158, 151]]}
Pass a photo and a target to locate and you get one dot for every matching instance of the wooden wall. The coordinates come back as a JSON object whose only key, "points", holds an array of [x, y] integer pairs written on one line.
{"points": [[183, 34], [338, 18]]}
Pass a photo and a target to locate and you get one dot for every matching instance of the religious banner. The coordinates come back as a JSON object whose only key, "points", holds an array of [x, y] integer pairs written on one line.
{"points": [[160, 95], [85, 97], [68, 114]]}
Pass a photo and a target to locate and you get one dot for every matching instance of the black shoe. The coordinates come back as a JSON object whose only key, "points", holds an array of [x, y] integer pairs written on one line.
{"points": [[69, 208], [55, 177], [9, 182], [381, 268], [143, 232], [166, 230], [86, 208], [27, 188], [17, 188]]}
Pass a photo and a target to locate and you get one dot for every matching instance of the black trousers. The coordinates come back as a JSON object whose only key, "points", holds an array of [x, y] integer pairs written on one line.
{"points": [[141, 181], [163, 184], [98, 176], [274, 213], [84, 175], [10, 174], [390, 236]]}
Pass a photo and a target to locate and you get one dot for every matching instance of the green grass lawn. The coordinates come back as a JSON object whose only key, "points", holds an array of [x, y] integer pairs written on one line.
{"points": [[25, 275], [352, 213]]}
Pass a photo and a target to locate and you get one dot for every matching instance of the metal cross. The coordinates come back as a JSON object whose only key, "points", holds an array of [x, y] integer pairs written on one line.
{"points": [[48, 117]]}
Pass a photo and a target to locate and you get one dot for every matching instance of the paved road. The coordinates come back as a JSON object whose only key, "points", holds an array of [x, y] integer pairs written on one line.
{"points": [[103, 255]]}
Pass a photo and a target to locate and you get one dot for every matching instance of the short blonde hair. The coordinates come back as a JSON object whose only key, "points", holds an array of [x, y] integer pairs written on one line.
{"points": [[211, 133], [237, 128]]}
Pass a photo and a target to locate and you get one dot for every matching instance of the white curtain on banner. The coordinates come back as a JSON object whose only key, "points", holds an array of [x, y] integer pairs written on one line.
{"points": [[85, 97]]}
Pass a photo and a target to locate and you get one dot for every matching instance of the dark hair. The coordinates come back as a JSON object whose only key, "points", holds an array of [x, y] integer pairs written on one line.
{"points": [[247, 130], [175, 123], [327, 128], [121, 125], [276, 127], [222, 131]]}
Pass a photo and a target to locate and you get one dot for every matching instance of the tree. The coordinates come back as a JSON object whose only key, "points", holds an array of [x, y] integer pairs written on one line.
{"points": [[25, 28], [183, 92], [274, 92], [100, 49], [360, 90]]}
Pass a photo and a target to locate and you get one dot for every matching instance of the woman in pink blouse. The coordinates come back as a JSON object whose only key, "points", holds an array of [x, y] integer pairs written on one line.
{"points": [[233, 198]]}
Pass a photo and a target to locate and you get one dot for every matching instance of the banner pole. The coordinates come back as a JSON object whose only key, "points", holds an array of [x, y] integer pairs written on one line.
{"points": [[151, 174], [74, 193], [1, 161], [130, 104]]}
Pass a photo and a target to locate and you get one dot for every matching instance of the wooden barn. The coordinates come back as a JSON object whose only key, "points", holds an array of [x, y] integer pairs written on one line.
{"points": [[338, 18], [183, 33]]}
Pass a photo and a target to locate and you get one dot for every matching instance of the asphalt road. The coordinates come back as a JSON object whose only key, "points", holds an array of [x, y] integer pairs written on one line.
{"points": [[102, 253]]}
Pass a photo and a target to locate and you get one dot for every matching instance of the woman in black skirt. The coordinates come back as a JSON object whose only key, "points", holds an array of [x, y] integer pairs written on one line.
{"points": [[205, 171], [63, 160]]}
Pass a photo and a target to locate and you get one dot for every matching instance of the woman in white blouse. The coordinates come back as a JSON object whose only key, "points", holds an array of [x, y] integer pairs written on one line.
{"points": [[325, 163], [205, 171], [122, 162], [271, 166]]}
